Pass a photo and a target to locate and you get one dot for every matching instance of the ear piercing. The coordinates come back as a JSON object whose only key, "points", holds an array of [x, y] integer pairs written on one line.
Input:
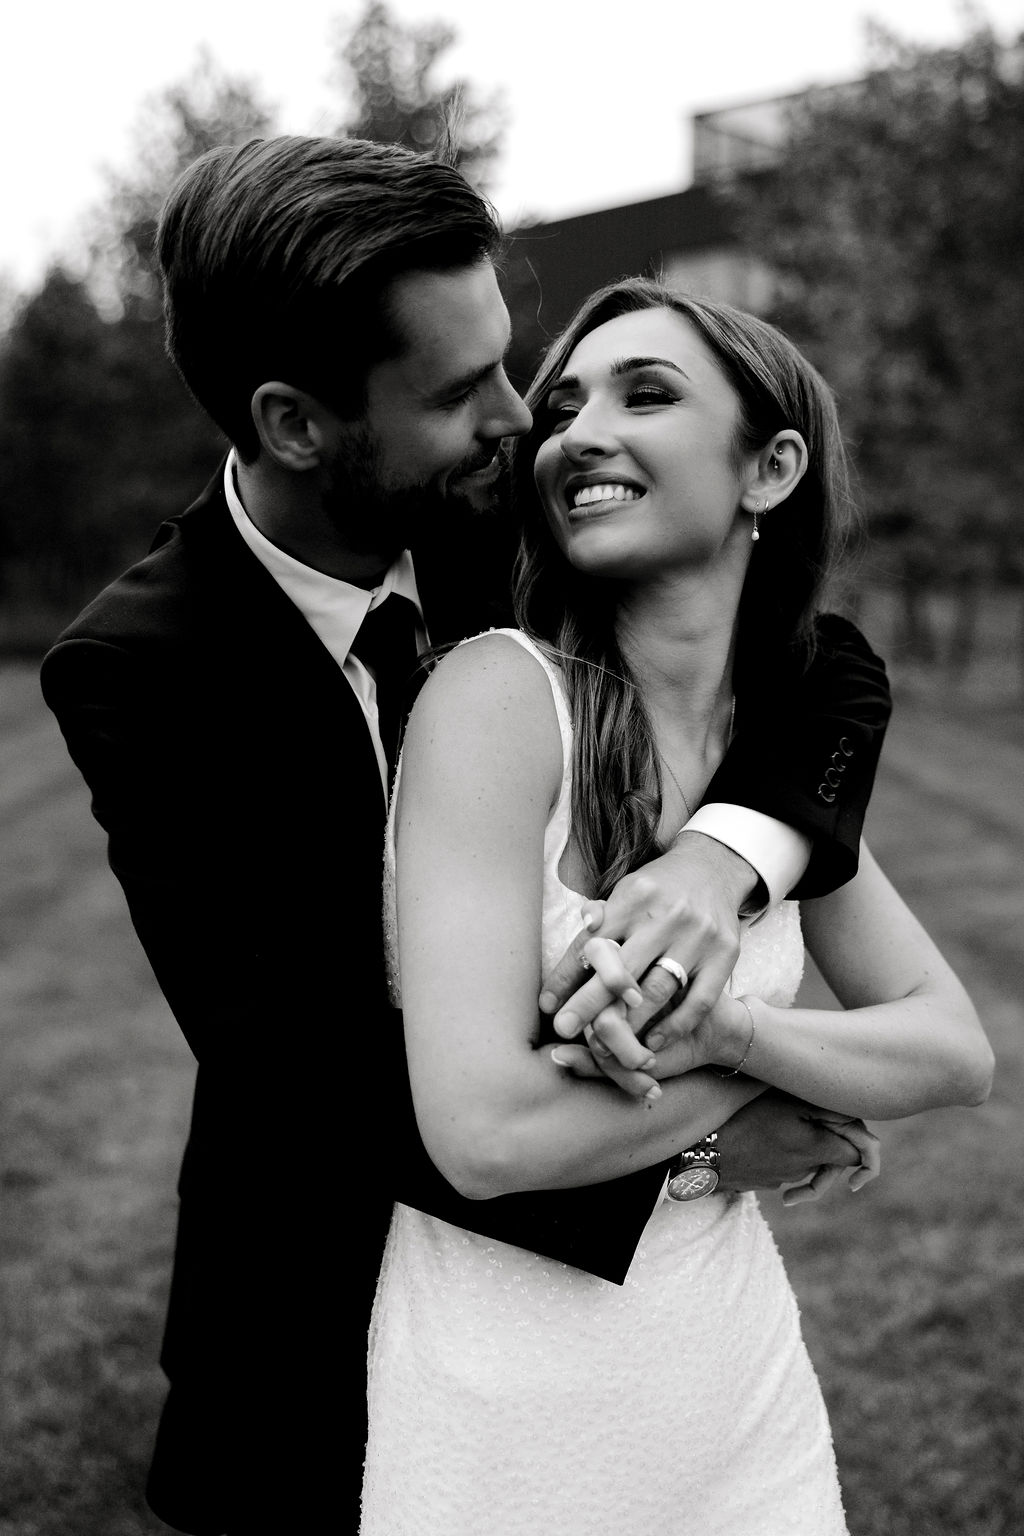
{"points": [[775, 465]]}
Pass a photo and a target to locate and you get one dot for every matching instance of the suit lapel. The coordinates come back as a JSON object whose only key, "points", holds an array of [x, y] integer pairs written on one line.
{"points": [[271, 670]]}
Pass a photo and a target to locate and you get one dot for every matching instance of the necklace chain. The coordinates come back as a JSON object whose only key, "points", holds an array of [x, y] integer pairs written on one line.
{"points": [[668, 766]]}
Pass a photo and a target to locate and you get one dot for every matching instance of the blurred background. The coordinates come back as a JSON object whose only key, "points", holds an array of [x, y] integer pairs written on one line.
{"points": [[858, 180]]}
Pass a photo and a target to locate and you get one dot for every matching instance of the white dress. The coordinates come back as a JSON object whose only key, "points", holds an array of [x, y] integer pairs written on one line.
{"points": [[511, 1395]]}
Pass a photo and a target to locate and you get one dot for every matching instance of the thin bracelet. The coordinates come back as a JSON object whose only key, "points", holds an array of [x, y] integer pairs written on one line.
{"points": [[750, 1044]]}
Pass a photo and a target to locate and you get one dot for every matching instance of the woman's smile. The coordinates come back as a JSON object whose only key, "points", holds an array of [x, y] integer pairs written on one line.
{"points": [[588, 493], [642, 414]]}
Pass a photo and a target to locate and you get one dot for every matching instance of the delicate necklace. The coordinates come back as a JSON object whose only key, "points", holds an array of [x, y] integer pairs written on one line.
{"points": [[668, 766]]}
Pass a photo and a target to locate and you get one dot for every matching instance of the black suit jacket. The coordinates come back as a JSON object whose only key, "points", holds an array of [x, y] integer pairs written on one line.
{"points": [[230, 766]]}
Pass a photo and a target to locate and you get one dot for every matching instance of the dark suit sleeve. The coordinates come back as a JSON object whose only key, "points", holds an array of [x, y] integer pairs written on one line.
{"points": [[595, 1228], [807, 744], [188, 889], [172, 860]]}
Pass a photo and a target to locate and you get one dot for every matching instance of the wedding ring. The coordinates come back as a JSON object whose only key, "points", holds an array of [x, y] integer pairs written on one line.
{"points": [[588, 965], [673, 967]]}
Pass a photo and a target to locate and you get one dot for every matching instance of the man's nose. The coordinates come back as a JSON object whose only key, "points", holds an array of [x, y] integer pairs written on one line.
{"points": [[510, 414]]}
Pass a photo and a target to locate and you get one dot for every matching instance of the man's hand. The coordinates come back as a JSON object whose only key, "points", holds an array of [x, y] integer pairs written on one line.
{"points": [[777, 1140], [685, 905]]}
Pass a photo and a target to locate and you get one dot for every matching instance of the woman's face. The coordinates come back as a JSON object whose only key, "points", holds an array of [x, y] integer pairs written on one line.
{"points": [[639, 474]]}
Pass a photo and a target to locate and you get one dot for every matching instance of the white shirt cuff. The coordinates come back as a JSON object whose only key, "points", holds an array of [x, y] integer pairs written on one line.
{"points": [[777, 852]]}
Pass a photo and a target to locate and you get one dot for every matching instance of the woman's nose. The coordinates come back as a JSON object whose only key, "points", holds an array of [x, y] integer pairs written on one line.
{"points": [[586, 436]]}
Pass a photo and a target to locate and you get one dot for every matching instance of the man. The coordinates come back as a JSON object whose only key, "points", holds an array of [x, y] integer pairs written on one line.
{"points": [[334, 307]]}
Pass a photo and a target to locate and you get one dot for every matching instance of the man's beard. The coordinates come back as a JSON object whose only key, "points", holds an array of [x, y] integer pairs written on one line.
{"points": [[377, 516]]}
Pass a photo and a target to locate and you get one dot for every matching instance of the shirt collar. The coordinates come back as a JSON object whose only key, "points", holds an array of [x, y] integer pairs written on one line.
{"points": [[334, 609]]}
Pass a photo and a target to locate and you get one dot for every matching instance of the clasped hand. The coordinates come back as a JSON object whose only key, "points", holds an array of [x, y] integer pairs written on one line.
{"points": [[682, 905], [641, 1025], [682, 1039]]}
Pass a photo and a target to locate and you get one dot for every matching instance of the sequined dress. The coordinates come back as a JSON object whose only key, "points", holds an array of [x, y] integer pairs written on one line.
{"points": [[510, 1395]]}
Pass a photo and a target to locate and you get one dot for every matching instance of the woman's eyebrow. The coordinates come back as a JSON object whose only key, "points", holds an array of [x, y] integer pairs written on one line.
{"points": [[634, 365], [622, 365]]}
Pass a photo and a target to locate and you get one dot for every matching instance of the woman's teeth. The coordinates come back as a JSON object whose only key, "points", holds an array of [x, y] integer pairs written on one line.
{"points": [[588, 494]]}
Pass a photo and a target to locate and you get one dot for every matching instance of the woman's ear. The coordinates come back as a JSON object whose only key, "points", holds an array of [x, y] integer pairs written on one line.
{"points": [[778, 470], [291, 425]]}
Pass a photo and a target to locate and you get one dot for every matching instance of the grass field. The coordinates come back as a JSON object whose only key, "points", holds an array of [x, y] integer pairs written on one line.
{"points": [[912, 1292]]}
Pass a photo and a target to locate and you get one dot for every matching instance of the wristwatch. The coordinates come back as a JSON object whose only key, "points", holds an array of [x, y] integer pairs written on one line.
{"points": [[695, 1172]]}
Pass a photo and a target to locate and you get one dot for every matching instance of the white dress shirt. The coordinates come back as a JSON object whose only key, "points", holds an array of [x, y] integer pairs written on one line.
{"points": [[335, 609]]}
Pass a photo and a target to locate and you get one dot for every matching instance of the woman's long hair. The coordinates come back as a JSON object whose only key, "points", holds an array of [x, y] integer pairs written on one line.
{"points": [[616, 773]]}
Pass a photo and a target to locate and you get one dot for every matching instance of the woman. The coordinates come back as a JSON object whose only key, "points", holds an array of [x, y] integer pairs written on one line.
{"points": [[509, 1393]]}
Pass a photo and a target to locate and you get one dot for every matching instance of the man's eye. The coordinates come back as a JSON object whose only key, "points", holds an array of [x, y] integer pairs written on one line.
{"points": [[463, 399]]}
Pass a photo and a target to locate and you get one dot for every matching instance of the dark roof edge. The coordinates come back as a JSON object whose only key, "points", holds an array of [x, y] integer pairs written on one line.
{"points": [[695, 211]]}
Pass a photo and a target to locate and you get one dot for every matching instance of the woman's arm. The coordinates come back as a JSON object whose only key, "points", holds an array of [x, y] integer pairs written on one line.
{"points": [[907, 1037], [481, 769]]}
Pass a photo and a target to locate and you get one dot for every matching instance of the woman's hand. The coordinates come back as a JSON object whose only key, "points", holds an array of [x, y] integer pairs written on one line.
{"points": [[612, 1049], [685, 904], [719, 1038]]}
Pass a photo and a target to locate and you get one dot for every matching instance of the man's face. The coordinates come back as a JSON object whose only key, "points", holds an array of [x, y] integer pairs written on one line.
{"points": [[435, 415]]}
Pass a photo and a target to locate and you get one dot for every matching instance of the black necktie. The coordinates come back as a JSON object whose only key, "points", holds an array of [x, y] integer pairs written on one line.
{"points": [[386, 643]]}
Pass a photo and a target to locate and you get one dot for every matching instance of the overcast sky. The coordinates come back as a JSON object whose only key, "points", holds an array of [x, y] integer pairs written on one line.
{"points": [[598, 95]]}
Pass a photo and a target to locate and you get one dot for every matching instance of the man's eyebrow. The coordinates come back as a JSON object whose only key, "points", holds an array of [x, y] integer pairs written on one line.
{"points": [[461, 385], [623, 365]]}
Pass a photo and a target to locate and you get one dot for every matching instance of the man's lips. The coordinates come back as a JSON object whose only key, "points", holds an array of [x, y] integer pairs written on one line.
{"points": [[488, 471], [482, 473]]}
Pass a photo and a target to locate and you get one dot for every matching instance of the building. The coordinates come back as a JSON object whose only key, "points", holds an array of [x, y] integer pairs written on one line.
{"points": [[686, 238]]}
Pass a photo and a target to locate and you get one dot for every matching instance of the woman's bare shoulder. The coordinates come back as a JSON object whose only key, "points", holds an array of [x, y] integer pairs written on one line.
{"points": [[492, 692], [491, 661]]}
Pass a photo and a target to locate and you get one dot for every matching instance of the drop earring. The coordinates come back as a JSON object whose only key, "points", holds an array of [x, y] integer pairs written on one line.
{"points": [[756, 535]]}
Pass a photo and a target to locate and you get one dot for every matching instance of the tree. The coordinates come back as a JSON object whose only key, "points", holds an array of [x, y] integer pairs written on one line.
{"points": [[895, 225], [386, 71], [56, 430], [175, 127], [98, 441], [98, 438]]}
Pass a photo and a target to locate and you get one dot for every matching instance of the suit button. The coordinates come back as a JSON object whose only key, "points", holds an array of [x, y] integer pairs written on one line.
{"points": [[823, 794], [844, 747], [832, 778]]}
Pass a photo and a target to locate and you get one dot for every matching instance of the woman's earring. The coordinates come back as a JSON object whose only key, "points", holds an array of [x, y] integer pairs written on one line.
{"points": [[755, 535]]}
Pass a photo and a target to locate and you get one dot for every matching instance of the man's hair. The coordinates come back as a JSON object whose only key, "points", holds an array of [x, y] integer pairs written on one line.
{"points": [[277, 258]]}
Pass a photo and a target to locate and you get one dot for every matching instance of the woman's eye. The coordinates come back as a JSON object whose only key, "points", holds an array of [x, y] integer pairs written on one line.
{"points": [[560, 416], [648, 394]]}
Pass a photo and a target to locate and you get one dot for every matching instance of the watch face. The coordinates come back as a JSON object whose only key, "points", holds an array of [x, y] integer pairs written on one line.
{"points": [[692, 1183]]}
